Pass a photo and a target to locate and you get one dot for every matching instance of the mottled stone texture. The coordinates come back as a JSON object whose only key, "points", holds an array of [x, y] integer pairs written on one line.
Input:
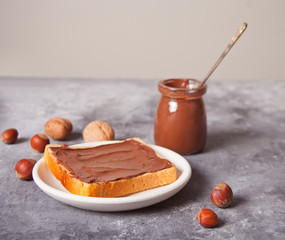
{"points": [[245, 148]]}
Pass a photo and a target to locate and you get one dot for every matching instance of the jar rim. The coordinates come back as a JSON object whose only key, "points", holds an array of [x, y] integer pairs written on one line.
{"points": [[183, 87]]}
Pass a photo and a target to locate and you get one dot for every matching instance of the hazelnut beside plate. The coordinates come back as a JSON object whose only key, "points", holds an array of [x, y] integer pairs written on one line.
{"points": [[24, 169]]}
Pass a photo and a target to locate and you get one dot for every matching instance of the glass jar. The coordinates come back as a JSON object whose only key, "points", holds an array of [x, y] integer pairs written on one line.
{"points": [[180, 123]]}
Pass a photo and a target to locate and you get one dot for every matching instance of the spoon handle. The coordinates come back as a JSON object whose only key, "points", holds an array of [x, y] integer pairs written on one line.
{"points": [[232, 42]]}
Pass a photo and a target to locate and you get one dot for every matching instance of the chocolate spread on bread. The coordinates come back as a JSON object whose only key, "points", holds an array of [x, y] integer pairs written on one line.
{"points": [[110, 162]]}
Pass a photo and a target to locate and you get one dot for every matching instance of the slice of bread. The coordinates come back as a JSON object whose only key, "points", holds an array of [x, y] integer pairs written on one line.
{"points": [[98, 185]]}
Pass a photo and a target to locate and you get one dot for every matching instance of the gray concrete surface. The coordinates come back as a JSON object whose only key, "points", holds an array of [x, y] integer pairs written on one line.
{"points": [[245, 148]]}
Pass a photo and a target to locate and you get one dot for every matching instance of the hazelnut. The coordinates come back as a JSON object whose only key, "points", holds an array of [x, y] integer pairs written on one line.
{"points": [[38, 142], [9, 136], [24, 169], [207, 217], [98, 131], [222, 195], [58, 128]]}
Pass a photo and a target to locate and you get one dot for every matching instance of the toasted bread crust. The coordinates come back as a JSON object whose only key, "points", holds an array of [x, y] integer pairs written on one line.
{"points": [[112, 188]]}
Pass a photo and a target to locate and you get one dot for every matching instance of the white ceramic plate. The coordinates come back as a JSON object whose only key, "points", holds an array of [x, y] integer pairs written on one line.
{"points": [[52, 187]]}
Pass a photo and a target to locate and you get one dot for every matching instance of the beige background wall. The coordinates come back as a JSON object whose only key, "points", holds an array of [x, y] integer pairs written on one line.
{"points": [[141, 39]]}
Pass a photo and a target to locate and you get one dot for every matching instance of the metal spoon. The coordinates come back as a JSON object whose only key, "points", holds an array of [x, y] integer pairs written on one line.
{"points": [[233, 41]]}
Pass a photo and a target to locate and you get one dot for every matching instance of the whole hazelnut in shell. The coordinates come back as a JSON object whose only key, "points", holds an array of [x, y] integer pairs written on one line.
{"points": [[24, 169], [9, 136], [38, 142], [98, 131], [58, 128], [207, 218], [222, 195]]}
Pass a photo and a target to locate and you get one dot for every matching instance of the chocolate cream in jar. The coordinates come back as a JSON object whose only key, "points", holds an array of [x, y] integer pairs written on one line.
{"points": [[180, 122]]}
